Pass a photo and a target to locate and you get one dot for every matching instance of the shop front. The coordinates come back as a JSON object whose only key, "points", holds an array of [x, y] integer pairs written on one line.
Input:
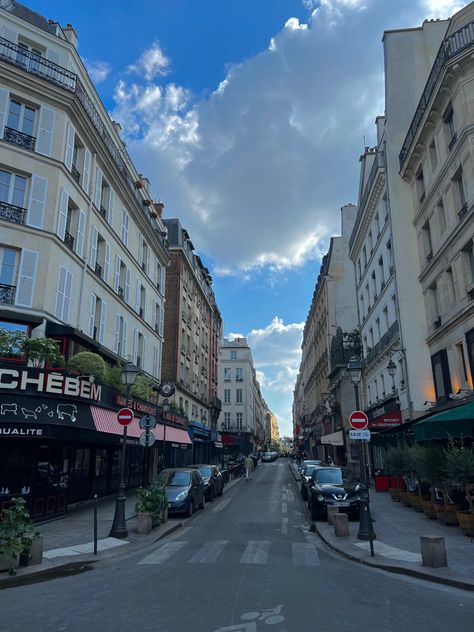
{"points": [[383, 418], [199, 434]]}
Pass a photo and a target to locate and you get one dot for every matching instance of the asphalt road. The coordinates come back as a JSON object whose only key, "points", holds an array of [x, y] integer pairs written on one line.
{"points": [[246, 563]]}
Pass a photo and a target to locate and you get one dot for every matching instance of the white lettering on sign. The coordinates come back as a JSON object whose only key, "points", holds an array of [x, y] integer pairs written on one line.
{"points": [[361, 435], [54, 383], [37, 432]]}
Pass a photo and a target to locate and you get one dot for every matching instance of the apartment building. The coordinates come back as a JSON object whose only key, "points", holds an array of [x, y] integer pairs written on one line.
{"points": [[193, 331], [272, 431]]}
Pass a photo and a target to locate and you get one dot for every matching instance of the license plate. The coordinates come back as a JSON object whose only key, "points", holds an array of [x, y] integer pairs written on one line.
{"points": [[343, 504]]}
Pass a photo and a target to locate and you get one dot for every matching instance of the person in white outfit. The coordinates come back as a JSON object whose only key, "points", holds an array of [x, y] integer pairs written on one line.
{"points": [[249, 465]]}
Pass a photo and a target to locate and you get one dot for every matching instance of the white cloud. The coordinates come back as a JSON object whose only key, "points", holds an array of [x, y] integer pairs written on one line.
{"points": [[98, 70], [258, 169], [152, 63], [443, 8]]}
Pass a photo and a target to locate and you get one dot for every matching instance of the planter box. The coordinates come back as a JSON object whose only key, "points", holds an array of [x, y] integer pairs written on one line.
{"points": [[394, 494], [381, 483], [404, 498], [466, 522], [35, 553], [415, 501], [8, 562], [447, 514], [428, 508], [144, 523]]}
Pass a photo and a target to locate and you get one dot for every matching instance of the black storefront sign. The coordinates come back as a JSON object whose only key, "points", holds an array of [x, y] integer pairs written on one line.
{"points": [[46, 410]]}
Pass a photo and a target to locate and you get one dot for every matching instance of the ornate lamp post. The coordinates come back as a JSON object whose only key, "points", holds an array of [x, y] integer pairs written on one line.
{"points": [[119, 528], [392, 369], [366, 531], [165, 408]]}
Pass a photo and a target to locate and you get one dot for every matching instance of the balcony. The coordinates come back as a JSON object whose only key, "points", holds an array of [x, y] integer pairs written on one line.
{"points": [[69, 240], [19, 139], [463, 212], [7, 294], [76, 174], [98, 270], [120, 291], [12, 213], [103, 211]]}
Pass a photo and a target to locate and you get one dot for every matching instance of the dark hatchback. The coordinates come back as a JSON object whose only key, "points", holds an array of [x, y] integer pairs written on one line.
{"points": [[213, 480], [305, 477], [184, 489], [336, 487]]}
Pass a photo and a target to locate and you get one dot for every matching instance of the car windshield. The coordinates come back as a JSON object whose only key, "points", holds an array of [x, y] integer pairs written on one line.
{"points": [[335, 475], [175, 479], [309, 469], [205, 471]]}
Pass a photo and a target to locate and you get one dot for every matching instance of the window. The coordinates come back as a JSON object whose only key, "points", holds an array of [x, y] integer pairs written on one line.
{"points": [[238, 396], [233, 355], [12, 189], [28, 56], [97, 315], [459, 193], [371, 338], [239, 374], [451, 286], [120, 336], [8, 273], [20, 126], [227, 396], [385, 317], [382, 271], [226, 421], [63, 298], [364, 256], [238, 419], [359, 268], [362, 307], [441, 216], [420, 185], [382, 381], [124, 230], [448, 119], [436, 318], [433, 155], [461, 362], [441, 376], [377, 224], [227, 375], [426, 241], [401, 373], [377, 328], [371, 245]]}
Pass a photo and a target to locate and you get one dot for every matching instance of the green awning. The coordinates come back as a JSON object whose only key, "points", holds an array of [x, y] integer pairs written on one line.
{"points": [[454, 422]]}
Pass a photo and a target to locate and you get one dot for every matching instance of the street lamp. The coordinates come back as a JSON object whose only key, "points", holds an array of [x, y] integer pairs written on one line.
{"points": [[392, 369], [165, 408], [119, 528], [366, 530]]}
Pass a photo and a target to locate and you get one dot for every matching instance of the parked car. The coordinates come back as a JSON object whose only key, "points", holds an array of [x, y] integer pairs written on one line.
{"points": [[308, 462], [333, 486], [305, 477], [212, 479], [184, 489], [268, 457]]}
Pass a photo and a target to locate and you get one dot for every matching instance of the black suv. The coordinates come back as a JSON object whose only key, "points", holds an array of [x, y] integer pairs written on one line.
{"points": [[333, 486]]}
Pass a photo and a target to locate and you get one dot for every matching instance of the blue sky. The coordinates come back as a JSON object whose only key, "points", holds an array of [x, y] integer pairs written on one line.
{"points": [[248, 117]]}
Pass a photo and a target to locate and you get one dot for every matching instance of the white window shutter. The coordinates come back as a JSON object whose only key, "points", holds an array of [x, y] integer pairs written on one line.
{"points": [[26, 278], [135, 346], [163, 281], [143, 363], [124, 339], [4, 103], [145, 310], [117, 274], [127, 286], [137, 296], [67, 296], [124, 231], [98, 188], [68, 154], [147, 262], [93, 253], [110, 210], [39, 190], [62, 219], [86, 170], [79, 249], [92, 315], [140, 250], [117, 333], [154, 368], [106, 262], [162, 320], [156, 273], [103, 318], [60, 292], [44, 140]]}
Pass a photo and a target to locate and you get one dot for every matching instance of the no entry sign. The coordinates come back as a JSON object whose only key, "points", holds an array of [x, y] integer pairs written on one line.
{"points": [[358, 420], [125, 416]]}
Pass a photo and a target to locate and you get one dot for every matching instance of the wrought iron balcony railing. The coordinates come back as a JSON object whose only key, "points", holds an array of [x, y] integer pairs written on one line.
{"points": [[103, 212], [12, 213], [69, 240], [7, 293], [98, 270], [15, 137], [76, 174], [450, 47]]}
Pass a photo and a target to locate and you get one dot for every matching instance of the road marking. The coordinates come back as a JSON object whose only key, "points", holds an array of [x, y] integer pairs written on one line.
{"points": [[222, 505], [284, 526], [209, 552], [284, 508], [163, 553], [385, 550], [304, 554], [256, 552]]}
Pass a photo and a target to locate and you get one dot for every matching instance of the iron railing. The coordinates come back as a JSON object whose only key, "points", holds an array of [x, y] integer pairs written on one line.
{"points": [[20, 139], [76, 174], [450, 47], [12, 213], [7, 293], [98, 270], [69, 240]]}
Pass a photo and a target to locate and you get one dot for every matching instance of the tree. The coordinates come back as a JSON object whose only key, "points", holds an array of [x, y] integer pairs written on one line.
{"points": [[88, 364], [36, 351], [460, 469]]}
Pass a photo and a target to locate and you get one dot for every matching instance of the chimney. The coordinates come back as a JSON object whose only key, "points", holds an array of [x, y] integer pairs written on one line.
{"points": [[70, 34], [159, 206], [118, 127]]}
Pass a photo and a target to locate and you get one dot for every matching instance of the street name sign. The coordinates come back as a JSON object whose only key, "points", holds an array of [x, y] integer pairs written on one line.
{"points": [[358, 420], [361, 435], [147, 439], [125, 416]]}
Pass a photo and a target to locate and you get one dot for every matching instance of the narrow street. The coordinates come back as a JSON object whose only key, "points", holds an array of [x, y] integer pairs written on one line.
{"points": [[247, 561]]}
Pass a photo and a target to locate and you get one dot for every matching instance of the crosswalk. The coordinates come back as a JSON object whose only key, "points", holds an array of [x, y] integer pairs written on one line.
{"points": [[253, 552]]}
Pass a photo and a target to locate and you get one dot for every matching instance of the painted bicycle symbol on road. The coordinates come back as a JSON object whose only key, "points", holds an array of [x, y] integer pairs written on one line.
{"points": [[250, 620]]}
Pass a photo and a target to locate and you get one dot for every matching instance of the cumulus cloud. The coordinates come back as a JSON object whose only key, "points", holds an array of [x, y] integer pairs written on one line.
{"points": [[152, 63], [442, 8], [98, 70]]}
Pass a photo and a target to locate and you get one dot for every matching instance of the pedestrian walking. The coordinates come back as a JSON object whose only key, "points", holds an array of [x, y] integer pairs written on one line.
{"points": [[249, 466]]}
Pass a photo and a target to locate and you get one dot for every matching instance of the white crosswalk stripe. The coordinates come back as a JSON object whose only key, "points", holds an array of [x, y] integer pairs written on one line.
{"points": [[304, 554], [256, 552], [163, 553], [209, 552]]}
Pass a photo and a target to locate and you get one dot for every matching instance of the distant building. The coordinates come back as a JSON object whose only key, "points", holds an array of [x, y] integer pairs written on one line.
{"points": [[272, 431]]}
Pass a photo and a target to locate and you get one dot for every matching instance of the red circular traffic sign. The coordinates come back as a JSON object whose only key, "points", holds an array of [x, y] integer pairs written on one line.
{"points": [[125, 416], [358, 420]]}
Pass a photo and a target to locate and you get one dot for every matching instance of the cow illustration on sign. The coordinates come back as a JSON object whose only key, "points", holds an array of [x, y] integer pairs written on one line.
{"points": [[68, 410], [9, 408]]}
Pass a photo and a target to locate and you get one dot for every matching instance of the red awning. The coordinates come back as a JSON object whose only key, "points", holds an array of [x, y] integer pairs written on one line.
{"points": [[106, 421]]}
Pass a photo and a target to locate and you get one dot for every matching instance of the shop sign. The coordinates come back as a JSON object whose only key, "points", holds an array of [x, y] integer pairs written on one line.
{"points": [[386, 420], [6, 431], [50, 383], [176, 419], [121, 400]]}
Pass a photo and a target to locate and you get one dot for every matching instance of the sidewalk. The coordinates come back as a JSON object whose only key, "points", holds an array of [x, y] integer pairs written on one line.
{"points": [[397, 546], [68, 541]]}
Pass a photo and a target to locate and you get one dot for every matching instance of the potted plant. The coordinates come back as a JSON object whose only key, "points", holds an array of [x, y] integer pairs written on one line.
{"points": [[413, 478], [460, 471], [430, 461], [395, 464], [151, 507], [15, 529]]}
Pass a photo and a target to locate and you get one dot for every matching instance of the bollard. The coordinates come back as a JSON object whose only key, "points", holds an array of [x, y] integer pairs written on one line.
{"points": [[341, 525], [433, 551], [331, 512], [95, 524]]}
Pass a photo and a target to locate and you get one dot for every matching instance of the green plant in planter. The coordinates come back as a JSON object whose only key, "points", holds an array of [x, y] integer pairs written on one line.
{"points": [[430, 462], [397, 461], [460, 470], [88, 363], [152, 500], [16, 529]]}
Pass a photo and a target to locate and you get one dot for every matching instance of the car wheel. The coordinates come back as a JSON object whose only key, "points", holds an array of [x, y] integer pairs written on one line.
{"points": [[190, 510], [203, 501]]}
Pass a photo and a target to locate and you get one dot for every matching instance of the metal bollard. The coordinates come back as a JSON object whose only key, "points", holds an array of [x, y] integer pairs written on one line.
{"points": [[95, 523], [433, 551]]}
